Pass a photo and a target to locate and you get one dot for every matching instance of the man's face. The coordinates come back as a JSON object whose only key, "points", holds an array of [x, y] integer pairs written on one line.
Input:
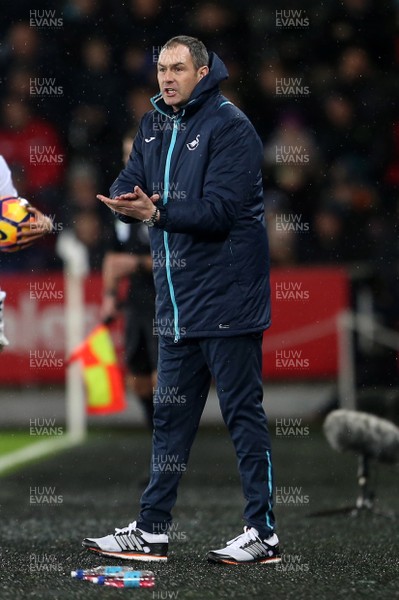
{"points": [[177, 76]]}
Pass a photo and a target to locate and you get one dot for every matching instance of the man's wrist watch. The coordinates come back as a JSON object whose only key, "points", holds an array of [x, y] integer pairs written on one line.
{"points": [[153, 219]]}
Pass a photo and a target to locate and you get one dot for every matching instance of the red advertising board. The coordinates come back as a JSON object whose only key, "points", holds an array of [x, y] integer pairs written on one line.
{"points": [[300, 344], [302, 341], [35, 326]]}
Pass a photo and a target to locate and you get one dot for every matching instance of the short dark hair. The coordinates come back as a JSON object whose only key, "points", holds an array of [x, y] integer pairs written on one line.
{"points": [[198, 52]]}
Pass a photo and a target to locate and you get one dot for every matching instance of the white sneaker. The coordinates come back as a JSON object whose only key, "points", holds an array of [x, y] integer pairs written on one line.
{"points": [[248, 548], [130, 543]]}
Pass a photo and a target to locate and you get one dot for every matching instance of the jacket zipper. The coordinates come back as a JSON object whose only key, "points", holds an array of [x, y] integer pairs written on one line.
{"points": [[165, 234]]}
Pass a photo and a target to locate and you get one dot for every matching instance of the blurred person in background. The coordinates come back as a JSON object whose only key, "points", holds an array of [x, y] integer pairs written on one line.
{"points": [[32, 67], [94, 125], [368, 90], [134, 61], [33, 145], [340, 132], [34, 151], [88, 229], [82, 179], [282, 239], [340, 230], [130, 257], [282, 243], [148, 21], [30, 233], [328, 240], [266, 96], [22, 46], [83, 218], [82, 19], [231, 41], [19, 82], [137, 103], [352, 21], [291, 163]]}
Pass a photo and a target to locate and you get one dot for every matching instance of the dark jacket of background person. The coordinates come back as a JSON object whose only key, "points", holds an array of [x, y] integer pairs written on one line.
{"points": [[135, 240], [210, 246]]}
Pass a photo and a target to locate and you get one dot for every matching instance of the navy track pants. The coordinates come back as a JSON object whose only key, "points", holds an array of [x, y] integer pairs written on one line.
{"points": [[185, 369]]}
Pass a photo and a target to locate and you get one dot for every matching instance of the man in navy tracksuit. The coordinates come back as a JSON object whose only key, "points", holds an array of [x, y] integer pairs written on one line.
{"points": [[194, 177]]}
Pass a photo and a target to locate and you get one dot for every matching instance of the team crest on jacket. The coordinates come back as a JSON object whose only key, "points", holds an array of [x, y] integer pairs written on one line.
{"points": [[194, 144]]}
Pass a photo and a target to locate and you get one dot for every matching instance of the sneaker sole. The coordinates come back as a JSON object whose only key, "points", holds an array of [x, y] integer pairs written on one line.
{"points": [[262, 561], [128, 555]]}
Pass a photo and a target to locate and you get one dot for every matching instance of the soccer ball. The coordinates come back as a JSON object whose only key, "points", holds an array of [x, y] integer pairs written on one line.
{"points": [[13, 214]]}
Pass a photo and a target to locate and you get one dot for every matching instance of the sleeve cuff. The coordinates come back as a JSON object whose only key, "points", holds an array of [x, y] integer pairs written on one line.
{"points": [[163, 216], [126, 219]]}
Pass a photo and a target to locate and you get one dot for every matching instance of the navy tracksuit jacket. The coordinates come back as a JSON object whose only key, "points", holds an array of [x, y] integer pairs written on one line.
{"points": [[211, 272]]}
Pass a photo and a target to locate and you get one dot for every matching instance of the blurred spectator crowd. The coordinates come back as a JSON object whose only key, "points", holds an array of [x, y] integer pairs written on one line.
{"points": [[318, 82]]}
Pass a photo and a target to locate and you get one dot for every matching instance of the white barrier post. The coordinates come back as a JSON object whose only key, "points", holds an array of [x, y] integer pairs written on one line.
{"points": [[346, 361], [76, 268]]}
